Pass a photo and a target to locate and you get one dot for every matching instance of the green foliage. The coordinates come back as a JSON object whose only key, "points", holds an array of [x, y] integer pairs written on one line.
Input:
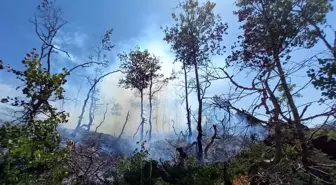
{"points": [[33, 153], [321, 132], [138, 169], [324, 78], [282, 97], [151, 172], [197, 34], [276, 29], [136, 64], [142, 70], [32, 157], [195, 38], [287, 168], [240, 164]]}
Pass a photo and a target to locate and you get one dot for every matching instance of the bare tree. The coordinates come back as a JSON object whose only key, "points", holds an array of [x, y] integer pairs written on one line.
{"points": [[185, 97], [100, 57], [93, 106], [88, 96], [48, 21], [156, 83]]}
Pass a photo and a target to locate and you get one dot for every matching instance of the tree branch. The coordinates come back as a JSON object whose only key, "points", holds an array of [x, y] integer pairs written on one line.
{"points": [[206, 149], [123, 128]]}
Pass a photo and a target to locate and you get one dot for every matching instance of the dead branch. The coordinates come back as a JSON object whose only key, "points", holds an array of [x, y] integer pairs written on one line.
{"points": [[206, 149], [236, 84], [47, 23], [104, 117], [92, 109], [80, 118], [88, 162], [318, 129], [123, 128], [173, 126], [324, 114]]}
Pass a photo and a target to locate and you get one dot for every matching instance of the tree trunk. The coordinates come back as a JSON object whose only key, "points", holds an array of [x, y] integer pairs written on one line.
{"points": [[150, 111], [123, 128], [275, 122], [207, 147], [80, 118], [199, 119], [163, 120], [91, 109], [142, 117], [157, 117], [104, 118], [187, 103], [278, 144], [296, 116]]}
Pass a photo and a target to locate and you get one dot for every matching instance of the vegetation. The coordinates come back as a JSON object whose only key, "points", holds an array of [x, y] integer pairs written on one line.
{"points": [[33, 151]]}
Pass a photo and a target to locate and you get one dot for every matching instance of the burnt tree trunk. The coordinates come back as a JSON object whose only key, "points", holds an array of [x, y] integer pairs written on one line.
{"points": [[150, 110], [187, 103], [142, 117], [199, 117], [296, 116], [92, 109]]}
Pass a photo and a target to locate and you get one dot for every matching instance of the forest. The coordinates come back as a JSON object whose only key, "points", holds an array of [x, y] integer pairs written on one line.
{"points": [[271, 120]]}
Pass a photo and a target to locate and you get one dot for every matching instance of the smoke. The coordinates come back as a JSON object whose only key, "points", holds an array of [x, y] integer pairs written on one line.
{"points": [[167, 104], [169, 109]]}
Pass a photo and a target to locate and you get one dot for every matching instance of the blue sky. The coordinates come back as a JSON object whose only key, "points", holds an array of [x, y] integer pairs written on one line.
{"points": [[88, 18], [134, 22]]}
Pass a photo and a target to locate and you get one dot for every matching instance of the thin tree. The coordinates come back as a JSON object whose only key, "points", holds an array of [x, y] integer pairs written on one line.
{"points": [[100, 58], [196, 37], [93, 105], [104, 117], [136, 65], [156, 83], [88, 96]]}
